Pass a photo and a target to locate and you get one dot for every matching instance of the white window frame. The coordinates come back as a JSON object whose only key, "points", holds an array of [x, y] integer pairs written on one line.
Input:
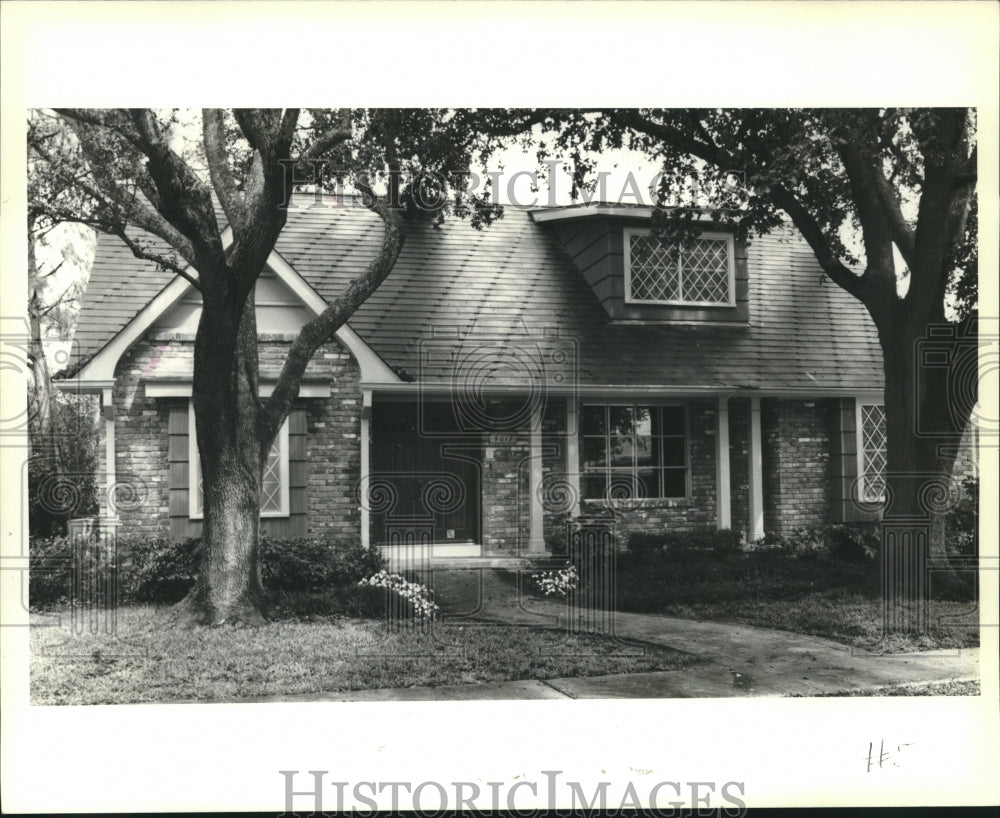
{"points": [[584, 402], [859, 403], [196, 509], [731, 247]]}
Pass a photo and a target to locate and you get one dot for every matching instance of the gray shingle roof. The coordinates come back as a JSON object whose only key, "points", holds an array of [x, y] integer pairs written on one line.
{"points": [[480, 295]]}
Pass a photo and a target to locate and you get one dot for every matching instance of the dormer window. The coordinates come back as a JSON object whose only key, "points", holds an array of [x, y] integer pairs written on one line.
{"points": [[662, 272]]}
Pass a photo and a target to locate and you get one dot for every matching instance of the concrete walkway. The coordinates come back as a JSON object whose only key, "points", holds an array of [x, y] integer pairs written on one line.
{"points": [[740, 661]]}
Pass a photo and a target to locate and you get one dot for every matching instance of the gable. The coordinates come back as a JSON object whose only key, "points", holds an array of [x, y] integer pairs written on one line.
{"points": [[279, 309]]}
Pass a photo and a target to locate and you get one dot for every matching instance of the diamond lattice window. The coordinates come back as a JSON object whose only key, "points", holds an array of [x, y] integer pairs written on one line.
{"points": [[274, 489], [660, 272], [873, 451]]}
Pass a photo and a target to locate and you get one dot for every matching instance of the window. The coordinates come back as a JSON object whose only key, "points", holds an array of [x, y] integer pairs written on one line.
{"points": [[871, 450], [658, 272], [634, 451], [274, 490]]}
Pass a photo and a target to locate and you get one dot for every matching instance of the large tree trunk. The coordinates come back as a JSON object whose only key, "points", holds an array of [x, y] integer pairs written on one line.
{"points": [[226, 405], [921, 450]]}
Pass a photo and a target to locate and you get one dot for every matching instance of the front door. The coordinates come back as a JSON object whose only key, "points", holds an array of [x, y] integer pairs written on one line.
{"points": [[426, 473]]}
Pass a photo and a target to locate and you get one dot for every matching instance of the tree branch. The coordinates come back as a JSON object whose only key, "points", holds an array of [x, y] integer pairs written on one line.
{"points": [[323, 327], [838, 272], [218, 167]]}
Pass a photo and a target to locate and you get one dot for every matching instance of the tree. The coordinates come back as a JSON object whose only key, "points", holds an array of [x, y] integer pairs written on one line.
{"points": [[133, 174], [900, 180], [60, 426]]}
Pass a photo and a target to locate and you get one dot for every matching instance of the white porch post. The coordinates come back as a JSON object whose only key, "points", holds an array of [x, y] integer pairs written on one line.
{"points": [[756, 473], [365, 438], [536, 537], [722, 498], [573, 454]]}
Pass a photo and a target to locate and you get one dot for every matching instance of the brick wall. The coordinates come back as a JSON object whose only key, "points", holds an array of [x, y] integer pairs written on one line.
{"points": [[796, 439], [739, 464], [506, 510], [330, 468]]}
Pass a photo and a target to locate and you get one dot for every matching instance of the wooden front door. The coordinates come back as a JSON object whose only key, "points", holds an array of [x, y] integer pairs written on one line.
{"points": [[427, 473]]}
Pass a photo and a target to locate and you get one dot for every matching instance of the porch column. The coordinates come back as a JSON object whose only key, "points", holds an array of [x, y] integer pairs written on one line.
{"points": [[756, 474], [573, 454], [722, 498], [536, 537], [365, 435]]}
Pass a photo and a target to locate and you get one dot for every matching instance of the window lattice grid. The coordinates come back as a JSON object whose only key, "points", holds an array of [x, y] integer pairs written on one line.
{"points": [[270, 490], [663, 272], [873, 450]]}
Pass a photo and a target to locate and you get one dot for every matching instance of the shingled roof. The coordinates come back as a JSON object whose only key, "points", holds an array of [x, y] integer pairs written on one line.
{"points": [[512, 284]]}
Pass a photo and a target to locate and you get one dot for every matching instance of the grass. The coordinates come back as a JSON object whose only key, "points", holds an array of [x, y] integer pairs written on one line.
{"points": [[816, 596], [845, 615], [148, 661]]}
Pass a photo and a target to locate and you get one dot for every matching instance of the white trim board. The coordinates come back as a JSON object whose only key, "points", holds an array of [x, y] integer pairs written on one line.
{"points": [[102, 366]]}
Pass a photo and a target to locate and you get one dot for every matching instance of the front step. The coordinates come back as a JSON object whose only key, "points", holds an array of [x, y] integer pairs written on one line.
{"points": [[453, 555]]}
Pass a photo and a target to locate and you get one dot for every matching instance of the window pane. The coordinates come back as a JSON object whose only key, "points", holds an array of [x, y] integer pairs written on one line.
{"points": [[270, 493], [595, 451], [653, 273], [622, 422], [646, 451], [593, 420], [674, 483], [674, 451], [673, 420], [595, 485], [705, 271], [648, 482], [622, 450], [621, 484], [644, 420]]}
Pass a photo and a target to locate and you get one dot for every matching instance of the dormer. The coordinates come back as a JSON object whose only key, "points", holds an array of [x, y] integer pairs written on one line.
{"points": [[639, 277]]}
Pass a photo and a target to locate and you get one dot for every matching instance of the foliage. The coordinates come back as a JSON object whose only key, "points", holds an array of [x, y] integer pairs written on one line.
{"points": [[685, 545], [114, 567], [315, 565], [857, 543], [962, 521], [419, 597], [557, 583], [62, 484], [299, 574]]}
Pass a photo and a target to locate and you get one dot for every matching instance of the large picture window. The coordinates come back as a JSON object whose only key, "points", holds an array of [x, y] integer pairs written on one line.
{"points": [[661, 272], [634, 451], [871, 450], [274, 489]]}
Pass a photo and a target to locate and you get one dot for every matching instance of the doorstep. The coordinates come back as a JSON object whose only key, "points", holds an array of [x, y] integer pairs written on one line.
{"points": [[453, 555]]}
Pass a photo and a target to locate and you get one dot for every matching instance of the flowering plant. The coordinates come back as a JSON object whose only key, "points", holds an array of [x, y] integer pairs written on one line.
{"points": [[419, 596], [557, 583]]}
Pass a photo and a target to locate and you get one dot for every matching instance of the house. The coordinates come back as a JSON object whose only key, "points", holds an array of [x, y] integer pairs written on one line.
{"points": [[500, 379]]}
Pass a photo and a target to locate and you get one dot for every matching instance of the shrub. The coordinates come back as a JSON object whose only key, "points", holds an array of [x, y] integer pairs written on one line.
{"points": [[419, 597], [853, 543], [315, 565], [962, 522], [111, 567], [170, 572], [153, 570], [556, 583], [685, 545]]}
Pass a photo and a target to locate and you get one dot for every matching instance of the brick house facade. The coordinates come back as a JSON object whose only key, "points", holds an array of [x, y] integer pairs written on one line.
{"points": [[499, 379]]}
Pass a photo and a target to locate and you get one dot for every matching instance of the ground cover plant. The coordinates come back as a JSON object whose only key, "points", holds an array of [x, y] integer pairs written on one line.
{"points": [[822, 582], [148, 660]]}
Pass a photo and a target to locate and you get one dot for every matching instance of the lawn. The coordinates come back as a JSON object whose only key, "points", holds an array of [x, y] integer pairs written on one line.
{"points": [[817, 595], [149, 661]]}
